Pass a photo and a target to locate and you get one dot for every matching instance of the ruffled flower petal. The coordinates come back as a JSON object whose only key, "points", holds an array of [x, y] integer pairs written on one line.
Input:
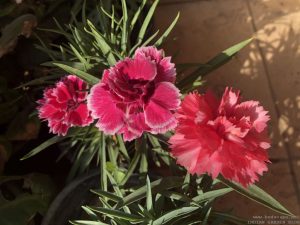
{"points": [[140, 68], [132, 99], [104, 108], [63, 105], [227, 138], [159, 118]]}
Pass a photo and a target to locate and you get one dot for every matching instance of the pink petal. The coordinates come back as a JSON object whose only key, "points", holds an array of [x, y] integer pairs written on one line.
{"points": [[140, 68], [103, 107], [212, 101], [222, 141], [135, 126], [195, 109], [166, 71], [158, 118], [258, 116], [150, 52], [199, 152], [166, 95], [58, 127], [229, 100]]}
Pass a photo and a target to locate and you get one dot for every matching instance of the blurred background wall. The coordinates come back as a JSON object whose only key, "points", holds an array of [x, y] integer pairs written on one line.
{"points": [[268, 70]]}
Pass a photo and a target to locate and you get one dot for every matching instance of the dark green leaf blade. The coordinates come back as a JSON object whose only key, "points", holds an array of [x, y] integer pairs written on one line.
{"points": [[156, 186], [85, 76], [165, 219], [213, 64], [43, 146], [118, 214], [167, 32], [255, 193]]}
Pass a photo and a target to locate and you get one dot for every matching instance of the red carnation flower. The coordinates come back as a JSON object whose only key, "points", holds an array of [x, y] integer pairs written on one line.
{"points": [[225, 137], [64, 105], [136, 95]]}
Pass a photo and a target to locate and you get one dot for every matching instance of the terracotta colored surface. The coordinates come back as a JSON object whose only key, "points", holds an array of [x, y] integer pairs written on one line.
{"points": [[268, 70]]}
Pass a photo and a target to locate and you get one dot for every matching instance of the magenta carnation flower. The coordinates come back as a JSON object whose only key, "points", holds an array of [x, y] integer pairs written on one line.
{"points": [[136, 95], [64, 105], [225, 137]]}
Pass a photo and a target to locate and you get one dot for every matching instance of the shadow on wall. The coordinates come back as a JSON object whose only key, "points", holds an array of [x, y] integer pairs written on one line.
{"points": [[279, 44], [207, 27], [268, 70]]}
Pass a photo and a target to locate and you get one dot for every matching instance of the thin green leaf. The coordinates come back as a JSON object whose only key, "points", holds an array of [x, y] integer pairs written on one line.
{"points": [[167, 32], [112, 213], [113, 154], [137, 14], [144, 44], [186, 183], [132, 166], [228, 217], [39, 81], [177, 196], [103, 164], [149, 202], [255, 193], [213, 64], [91, 214], [114, 184], [146, 22], [108, 195], [105, 48], [206, 196], [150, 38], [166, 218], [87, 222], [85, 76], [124, 39], [122, 147], [76, 65], [79, 56], [156, 186], [205, 220], [117, 190], [43, 146], [164, 155]]}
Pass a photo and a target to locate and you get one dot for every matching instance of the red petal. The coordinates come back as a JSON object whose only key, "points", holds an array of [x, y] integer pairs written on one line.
{"points": [[229, 100], [258, 116], [80, 116], [61, 92]]}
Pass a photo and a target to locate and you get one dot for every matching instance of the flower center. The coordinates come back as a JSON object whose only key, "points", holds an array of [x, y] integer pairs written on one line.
{"points": [[71, 105]]}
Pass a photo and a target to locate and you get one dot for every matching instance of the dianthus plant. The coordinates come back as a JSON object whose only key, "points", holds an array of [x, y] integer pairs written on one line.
{"points": [[122, 101]]}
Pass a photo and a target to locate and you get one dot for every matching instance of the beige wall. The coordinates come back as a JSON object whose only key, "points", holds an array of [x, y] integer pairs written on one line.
{"points": [[268, 70]]}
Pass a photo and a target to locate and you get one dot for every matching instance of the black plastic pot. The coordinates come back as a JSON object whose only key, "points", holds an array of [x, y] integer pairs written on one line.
{"points": [[67, 205]]}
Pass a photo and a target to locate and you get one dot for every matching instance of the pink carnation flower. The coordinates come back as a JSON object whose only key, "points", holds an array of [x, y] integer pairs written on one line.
{"points": [[136, 95], [225, 137], [64, 105]]}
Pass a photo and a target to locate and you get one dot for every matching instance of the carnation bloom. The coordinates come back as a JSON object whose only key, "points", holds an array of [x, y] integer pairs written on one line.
{"points": [[64, 105], [225, 137], [136, 95]]}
